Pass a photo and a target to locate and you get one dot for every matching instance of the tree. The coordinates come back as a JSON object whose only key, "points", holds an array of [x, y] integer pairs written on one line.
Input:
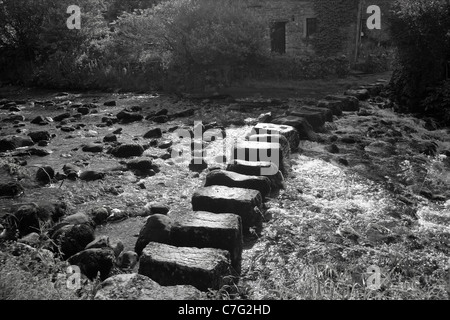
{"points": [[420, 32]]}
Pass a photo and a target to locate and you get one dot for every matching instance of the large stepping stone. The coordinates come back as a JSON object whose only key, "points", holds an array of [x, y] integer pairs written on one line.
{"points": [[210, 230], [335, 106], [326, 113], [237, 180], [360, 94], [203, 268], [289, 132], [302, 126], [246, 203], [259, 151], [315, 118], [134, 286], [275, 138], [260, 168], [348, 102]]}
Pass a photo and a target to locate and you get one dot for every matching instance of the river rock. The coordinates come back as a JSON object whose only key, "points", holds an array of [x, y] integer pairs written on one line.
{"points": [[153, 133], [127, 260], [157, 229], [45, 174], [127, 150], [72, 239], [93, 147], [37, 136], [94, 261], [138, 287]]}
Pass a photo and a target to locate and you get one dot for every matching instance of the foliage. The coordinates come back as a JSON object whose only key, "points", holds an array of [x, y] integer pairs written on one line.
{"points": [[420, 32], [195, 38]]}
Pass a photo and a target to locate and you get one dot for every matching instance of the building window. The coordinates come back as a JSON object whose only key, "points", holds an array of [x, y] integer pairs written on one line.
{"points": [[311, 27], [278, 37]]}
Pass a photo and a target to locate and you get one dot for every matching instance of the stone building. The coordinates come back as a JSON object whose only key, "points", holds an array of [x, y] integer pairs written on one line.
{"points": [[293, 23]]}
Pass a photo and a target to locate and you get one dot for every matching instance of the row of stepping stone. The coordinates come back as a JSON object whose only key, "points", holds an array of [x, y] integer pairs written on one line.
{"points": [[204, 249]]}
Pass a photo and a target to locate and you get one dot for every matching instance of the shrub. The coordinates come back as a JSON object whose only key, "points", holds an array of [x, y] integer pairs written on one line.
{"points": [[420, 32]]}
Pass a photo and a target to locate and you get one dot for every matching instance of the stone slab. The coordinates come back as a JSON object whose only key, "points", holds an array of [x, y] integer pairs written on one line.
{"points": [[260, 168], [237, 180], [210, 230], [302, 126], [289, 132], [246, 203], [203, 268]]}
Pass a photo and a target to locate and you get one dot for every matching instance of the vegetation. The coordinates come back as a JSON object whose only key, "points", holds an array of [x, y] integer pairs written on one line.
{"points": [[420, 33]]}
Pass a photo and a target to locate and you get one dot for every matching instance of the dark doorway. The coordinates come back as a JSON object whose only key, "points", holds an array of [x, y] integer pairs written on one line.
{"points": [[278, 36]]}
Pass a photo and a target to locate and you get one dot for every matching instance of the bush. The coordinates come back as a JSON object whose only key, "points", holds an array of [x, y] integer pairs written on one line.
{"points": [[420, 32], [197, 40]]}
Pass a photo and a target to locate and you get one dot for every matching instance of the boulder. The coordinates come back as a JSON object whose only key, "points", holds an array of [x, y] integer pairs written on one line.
{"points": [[28, 218], [37, 136], [246, 203], [127, 150], [347, 102], [12, 142], [92, 147], [210, 230], [360, 94], [233, 179], [302, 126], [72, 239], [79, 218], [61, 117], [111, 103], [335, 106], [126, 116], [153, 133], [260, 168], [45, 174], [111, 137], [142, 164], [138, 287], [289, 132], [94, 261], [127, 260], [92, 175], [156, 229], [205, 268], [314, 118]]}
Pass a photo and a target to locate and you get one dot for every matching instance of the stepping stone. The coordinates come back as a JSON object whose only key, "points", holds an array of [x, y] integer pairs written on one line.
{"points": [[275, 138], [335, 106], [237, 180], [373, 89], [326, 113], [259, 151], [138, 287], [260, 168], [302, 126], [360, 94], [210, 230], [246, 203], [205, 268], [289, 132], [348, 102], [314, 118]]}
